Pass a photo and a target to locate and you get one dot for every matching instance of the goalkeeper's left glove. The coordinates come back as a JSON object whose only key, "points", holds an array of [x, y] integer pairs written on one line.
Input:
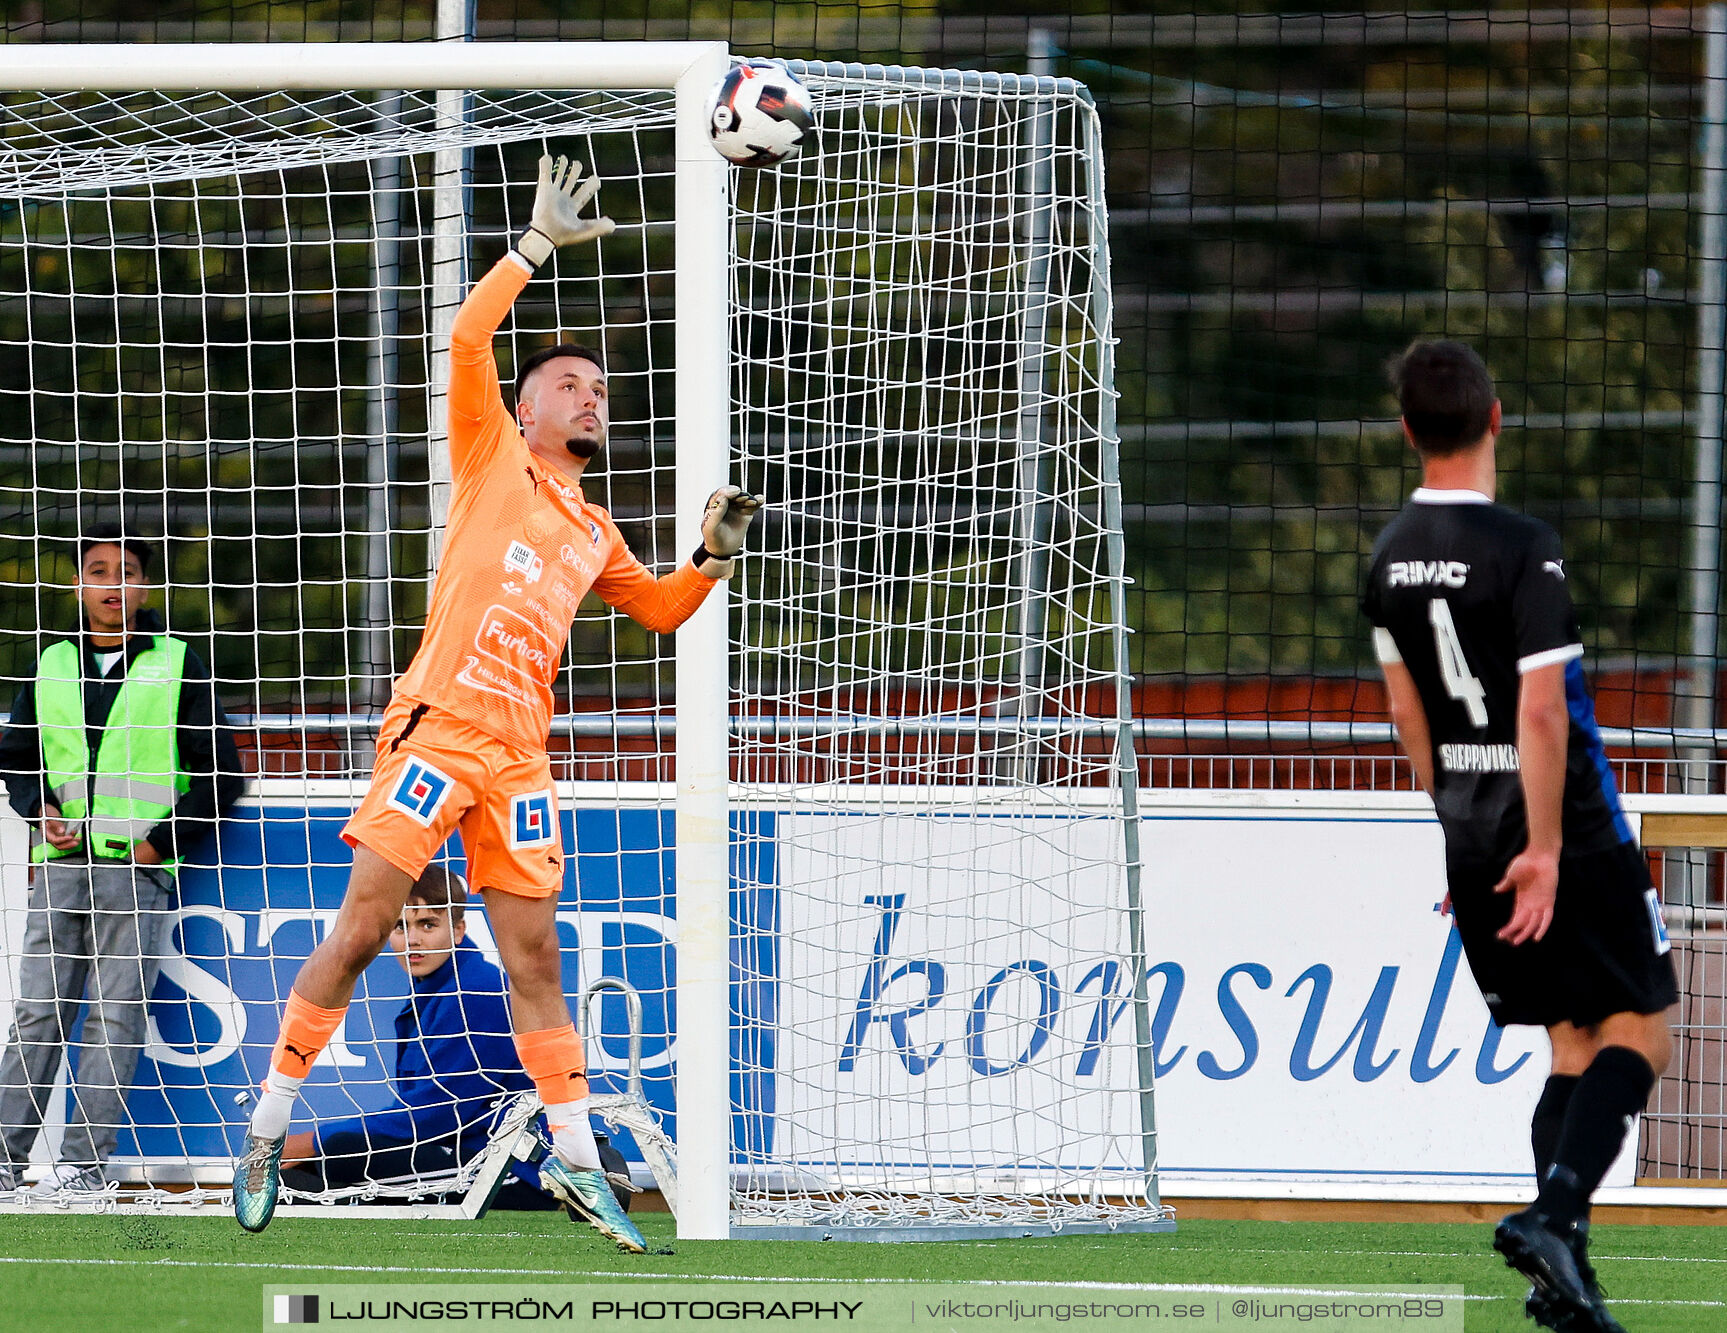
{"points": [[557, 220], [725, 523]]}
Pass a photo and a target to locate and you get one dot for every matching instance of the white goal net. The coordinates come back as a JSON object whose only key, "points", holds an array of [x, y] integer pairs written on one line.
{"points": [[224, 317]]}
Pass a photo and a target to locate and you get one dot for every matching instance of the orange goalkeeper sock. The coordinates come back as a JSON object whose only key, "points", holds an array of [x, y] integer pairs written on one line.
{"points": [[306, 1031], [554, 1059]]}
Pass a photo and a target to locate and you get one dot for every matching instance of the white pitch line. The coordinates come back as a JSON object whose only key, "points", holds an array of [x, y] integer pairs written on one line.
{"points": [[1169, 1288], [1082, 1243], [1634, 1300], [1477, 1254], [283, 1267], [1368, 1254], [1173, 1288]]}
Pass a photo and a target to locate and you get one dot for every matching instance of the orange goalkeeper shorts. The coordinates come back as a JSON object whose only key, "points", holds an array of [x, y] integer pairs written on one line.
{"points": [[435, 774]]}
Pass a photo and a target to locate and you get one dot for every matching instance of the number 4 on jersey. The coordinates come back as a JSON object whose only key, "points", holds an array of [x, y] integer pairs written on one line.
{"points": [[1460, 684]]}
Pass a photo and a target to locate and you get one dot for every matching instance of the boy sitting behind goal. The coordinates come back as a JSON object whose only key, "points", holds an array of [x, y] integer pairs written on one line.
{"points": [[454, 1058]]}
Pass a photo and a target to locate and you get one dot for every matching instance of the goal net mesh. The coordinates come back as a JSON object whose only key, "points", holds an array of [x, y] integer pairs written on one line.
{"points": [[237, 312]]}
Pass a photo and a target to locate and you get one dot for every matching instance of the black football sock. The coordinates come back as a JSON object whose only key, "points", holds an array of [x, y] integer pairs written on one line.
{"points": [[1549, 1120], [1609, 1094]]}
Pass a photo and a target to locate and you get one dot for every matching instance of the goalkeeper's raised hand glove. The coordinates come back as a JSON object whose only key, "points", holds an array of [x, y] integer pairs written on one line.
{"points": [[557, 217], [725, 523]]}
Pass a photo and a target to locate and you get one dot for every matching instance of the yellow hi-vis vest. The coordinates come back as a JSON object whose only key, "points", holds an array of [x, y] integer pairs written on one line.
{"points": [[136, 778]]}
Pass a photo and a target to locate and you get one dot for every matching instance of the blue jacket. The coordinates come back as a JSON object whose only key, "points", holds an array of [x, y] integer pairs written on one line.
{"points": [[454, 1058]]}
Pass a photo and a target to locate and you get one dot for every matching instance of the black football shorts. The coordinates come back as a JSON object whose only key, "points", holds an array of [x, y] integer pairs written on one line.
{"points": [[1605, 953]]}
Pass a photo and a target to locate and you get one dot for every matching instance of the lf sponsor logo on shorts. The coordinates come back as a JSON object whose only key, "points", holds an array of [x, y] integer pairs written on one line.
{"points": [[531, 820], [421, 791]]}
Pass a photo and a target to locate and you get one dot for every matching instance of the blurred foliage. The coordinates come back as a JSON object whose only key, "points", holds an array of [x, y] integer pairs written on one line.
{"points": [[207, 391], [1578, 308], [1245, 544]]}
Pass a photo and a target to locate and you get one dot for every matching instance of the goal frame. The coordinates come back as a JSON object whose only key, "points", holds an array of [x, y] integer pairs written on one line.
{"points": [[702, 419], [702, 423]]}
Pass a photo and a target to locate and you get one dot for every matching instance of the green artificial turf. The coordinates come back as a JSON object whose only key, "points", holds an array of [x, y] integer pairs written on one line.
{"points": [[143, 1272]]}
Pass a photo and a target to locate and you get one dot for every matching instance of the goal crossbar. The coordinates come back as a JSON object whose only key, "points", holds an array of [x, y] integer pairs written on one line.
{"points": [[356, 66], [472, 66]]}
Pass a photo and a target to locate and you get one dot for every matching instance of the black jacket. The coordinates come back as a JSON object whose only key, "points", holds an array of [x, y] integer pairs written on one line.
{"points": [[208, 756]]}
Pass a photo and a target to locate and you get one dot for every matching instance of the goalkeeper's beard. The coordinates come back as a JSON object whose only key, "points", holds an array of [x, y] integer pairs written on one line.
{"points": [[583, 447]]}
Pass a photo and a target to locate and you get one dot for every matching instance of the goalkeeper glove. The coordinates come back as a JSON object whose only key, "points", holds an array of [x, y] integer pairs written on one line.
{"points": [[725, 522], [558, 204]]}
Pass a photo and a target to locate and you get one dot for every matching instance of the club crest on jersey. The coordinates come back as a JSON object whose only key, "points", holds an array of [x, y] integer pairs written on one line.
{"points": [[1426, 573], [594, 529], [531, 820], [520, 558], [421, 791], [1657, 922]]}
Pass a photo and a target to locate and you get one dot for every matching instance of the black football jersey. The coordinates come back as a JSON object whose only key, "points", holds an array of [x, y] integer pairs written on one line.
{"points": [[1468, 595]]}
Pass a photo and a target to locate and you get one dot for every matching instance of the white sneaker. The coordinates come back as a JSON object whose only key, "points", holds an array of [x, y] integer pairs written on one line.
{"points": [[64, 1178], [10, 1181]]}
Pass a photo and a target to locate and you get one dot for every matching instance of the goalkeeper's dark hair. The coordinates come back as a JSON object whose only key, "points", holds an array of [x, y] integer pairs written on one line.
{"points": [[546, 354], [440, 889], [128, 539], [1445, 394]]}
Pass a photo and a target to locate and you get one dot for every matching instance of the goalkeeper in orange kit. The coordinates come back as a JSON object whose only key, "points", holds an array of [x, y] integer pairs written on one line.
{"points": [[463, 741]]}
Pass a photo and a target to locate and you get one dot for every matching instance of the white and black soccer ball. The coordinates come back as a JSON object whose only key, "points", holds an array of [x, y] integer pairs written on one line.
{"points": [[759, 115]]}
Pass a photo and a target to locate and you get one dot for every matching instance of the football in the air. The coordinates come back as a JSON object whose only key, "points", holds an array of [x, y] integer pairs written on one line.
{"points": [[759, 115]]}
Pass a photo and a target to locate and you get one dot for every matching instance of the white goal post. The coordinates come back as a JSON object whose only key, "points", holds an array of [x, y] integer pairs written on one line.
{"points": [[910, 990]]}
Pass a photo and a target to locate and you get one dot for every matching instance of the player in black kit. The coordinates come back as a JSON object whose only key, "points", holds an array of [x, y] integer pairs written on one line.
{"points": [[1474, 627]]}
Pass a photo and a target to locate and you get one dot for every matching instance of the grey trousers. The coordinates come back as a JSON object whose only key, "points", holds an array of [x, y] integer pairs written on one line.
{"points": [[91, 928]]}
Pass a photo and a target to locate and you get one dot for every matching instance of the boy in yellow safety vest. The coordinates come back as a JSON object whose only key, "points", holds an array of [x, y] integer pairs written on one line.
{"points": [[121, 759]]}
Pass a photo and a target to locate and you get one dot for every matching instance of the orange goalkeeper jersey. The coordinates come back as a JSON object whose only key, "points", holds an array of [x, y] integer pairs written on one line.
{"points": [[522, 549]]}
